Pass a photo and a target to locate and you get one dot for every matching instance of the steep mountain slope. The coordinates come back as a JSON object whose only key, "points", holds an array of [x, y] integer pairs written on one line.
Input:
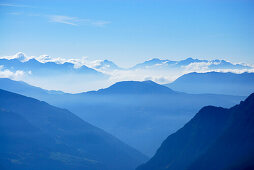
{"points": [[23, 88], [215, 82], [233, 149], [216, 138], [23, 146], [132, 110], [62, 140]]}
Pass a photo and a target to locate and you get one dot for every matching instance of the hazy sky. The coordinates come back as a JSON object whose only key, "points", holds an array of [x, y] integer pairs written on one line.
{"points": [[131, 31]]}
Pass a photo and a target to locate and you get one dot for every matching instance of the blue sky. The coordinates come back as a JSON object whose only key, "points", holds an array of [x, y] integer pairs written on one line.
{"points": [[128, 32]]}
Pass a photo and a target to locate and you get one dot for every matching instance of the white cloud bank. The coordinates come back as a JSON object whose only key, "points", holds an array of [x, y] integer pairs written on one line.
{"points": [[203, 67], [5, 73]]}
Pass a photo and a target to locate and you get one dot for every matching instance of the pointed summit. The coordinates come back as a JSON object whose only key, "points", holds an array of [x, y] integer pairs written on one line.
{"points": [[106, 65], [18, 56]]}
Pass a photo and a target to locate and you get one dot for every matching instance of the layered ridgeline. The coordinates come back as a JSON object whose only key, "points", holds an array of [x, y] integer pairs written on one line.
{"points": [[45, 62], [215, 82], [52, 73], [23, 88], [36, 135], [83, 75], [130, 110], [45, 67], [216, 138], [210, 64]]}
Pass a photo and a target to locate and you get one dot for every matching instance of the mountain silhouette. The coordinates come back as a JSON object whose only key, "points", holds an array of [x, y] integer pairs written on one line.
{"points": [[135, 87], [23, 88], [215, 83], [216, 138], [130, 110], [36, 135]]}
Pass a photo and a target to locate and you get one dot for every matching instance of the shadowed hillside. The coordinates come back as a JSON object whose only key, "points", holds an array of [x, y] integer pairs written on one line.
{"points": [[37, 135], [216, 138], [130, 110]]}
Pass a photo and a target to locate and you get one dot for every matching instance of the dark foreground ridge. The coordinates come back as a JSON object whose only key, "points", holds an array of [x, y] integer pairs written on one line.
{"points": [[36, 135], [216, 138]]}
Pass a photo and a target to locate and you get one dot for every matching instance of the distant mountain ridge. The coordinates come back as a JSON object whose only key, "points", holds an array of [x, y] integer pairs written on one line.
{"points": [[215, 83], [51, 73], [135, 87], [41, 69], [212, 64], [82, 74], [23, 88], [109, 65], [47, 137], [216, 138], [21, 61]]}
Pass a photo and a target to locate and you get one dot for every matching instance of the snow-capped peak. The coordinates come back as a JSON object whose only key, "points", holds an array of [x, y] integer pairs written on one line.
{"points": [[47, 58], [19, 56]]}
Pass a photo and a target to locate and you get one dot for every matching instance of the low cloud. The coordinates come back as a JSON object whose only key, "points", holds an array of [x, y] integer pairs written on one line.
{"points": [[203, 67], [194, 67], [5, 73]]}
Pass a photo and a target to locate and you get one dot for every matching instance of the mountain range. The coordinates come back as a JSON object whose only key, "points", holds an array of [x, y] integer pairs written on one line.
{"points": [[215, 83], [36, 135], [129, 110], [110, 65], [51, 74], [215, 138], [212, 64], [85, 75], [38, 68]]}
